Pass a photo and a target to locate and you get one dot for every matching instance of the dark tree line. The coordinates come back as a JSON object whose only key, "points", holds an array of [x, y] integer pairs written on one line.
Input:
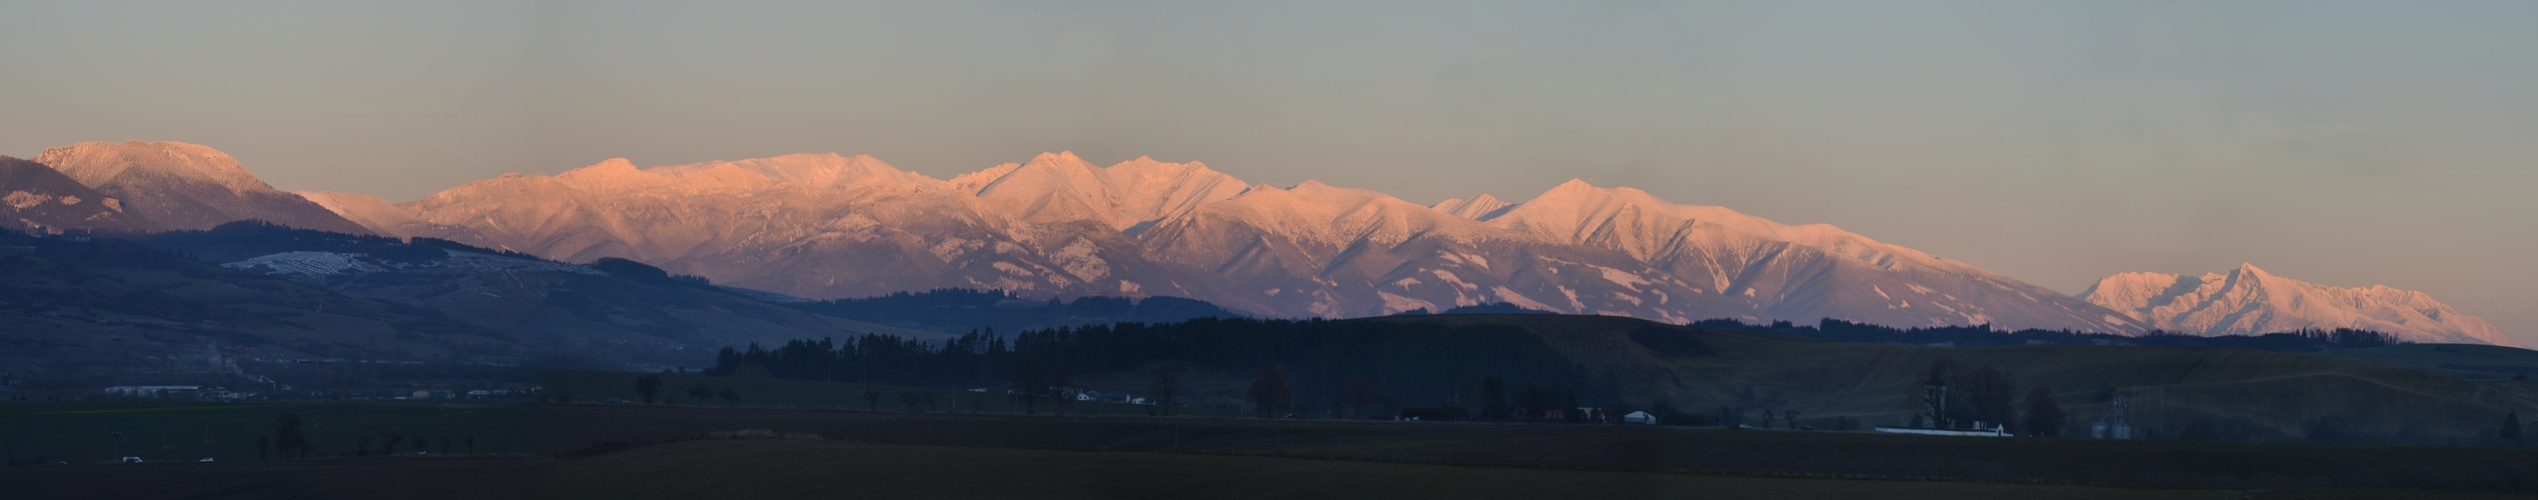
{"points": [[1984, 335], [1411, 361], [996, 309]]}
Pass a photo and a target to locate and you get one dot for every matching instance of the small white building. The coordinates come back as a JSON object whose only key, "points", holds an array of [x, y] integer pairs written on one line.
{"points": [[1639, 417], [1978, 430]]}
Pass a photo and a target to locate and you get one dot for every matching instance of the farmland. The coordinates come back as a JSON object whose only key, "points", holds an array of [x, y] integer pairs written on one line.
{"points": [[168, 432], [658, 451]]}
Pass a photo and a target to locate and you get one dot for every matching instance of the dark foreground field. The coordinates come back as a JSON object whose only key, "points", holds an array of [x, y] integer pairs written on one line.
{"points": [[782, 468], [2173, 464], [639, 451]]}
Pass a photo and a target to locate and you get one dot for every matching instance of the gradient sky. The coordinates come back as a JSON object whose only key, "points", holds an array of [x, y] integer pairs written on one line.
{"points": [[2345, 143]]}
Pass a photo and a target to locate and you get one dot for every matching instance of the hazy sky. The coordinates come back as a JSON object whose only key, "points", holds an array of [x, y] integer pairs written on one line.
{"points": [[2057, 142]]}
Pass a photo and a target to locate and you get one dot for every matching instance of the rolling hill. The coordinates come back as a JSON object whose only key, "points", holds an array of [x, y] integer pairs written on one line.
{"points": [[2171, 387]]}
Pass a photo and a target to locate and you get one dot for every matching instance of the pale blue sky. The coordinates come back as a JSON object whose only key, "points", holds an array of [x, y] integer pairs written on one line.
{"points": [[2347, 143]]}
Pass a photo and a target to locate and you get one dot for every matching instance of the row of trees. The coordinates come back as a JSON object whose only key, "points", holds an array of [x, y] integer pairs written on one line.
{"points": [[1358, 362]]}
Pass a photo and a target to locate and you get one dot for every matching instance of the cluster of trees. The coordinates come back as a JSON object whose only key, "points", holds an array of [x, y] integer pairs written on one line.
{"points": [[1952, 397], [1985, 335], [1359, 363]]}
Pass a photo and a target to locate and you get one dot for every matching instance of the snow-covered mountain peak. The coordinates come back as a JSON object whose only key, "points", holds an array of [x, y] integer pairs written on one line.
{"points": [[974, 181], [2249, 300], [1062, 188], [1474, 207], [186, 186], [613, 175], [96, 164], [801, 170], [1062, 160]]}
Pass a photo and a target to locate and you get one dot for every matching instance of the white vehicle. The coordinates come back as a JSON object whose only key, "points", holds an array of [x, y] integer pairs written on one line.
{"points": [[205, 459], [131, 460]]}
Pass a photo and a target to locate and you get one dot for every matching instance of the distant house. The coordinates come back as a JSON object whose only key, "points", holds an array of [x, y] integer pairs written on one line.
{"points": [[180, 392], [152, 390], [1639, 417]]}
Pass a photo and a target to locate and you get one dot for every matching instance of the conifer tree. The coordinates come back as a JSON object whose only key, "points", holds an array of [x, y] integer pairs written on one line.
{"points": [[2511, 430]]}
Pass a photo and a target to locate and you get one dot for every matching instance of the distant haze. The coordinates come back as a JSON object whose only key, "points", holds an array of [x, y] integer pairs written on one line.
{"points": [[2345, 144]]}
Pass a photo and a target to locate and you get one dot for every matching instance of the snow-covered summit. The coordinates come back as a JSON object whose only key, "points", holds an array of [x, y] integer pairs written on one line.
{"points": [[186, 186], [2249, 300], [1638, 223], [1059, 187], [1475, 207], [101, 163]]}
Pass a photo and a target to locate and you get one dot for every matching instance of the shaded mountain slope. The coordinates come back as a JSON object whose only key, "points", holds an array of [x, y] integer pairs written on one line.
{"points": [[34, 197], [77, 299], [612, 302]]}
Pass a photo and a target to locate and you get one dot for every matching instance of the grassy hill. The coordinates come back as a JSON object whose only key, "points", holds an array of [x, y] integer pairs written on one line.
{"points": [[2461, 360], [73, 300], [2171, 388]]}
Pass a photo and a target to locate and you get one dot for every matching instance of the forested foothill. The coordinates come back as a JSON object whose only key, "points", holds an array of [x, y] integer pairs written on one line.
{"points": [[1987, 336]]}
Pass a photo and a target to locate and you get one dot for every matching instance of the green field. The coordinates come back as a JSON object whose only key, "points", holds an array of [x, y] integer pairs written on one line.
{"points": [[168, 432]]}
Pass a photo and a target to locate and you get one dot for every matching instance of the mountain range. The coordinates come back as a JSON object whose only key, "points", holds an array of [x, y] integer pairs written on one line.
{"points": [[2248, 301], [830, 226], [826, 226]]}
